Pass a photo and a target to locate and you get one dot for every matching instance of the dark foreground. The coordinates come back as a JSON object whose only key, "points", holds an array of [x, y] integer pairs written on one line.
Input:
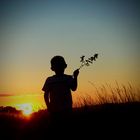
{"points": [[109, 121]]}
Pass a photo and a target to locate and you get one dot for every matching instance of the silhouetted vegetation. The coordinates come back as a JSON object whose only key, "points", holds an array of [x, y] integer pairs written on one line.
{"points": [[115, 115], [109, 94], [9, 109]]}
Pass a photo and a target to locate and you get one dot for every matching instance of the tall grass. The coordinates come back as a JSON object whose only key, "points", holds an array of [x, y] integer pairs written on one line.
{"points": [[106, 93]]}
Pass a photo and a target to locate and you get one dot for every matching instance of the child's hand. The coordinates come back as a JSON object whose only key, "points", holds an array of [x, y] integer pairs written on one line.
{"points": [[76, 73]]}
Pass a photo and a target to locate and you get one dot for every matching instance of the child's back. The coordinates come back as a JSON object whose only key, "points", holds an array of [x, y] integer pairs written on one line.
{"points": [[60, 92]]}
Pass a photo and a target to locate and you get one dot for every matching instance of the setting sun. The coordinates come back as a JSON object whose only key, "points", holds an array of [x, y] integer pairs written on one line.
{"points": [[26, 108]]}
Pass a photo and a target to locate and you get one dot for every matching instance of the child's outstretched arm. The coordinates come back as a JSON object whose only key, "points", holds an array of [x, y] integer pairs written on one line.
{"points": [[75, 83]]}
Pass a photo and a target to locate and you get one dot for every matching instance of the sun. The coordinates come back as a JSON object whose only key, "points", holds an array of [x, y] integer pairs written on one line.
{"points": [[26, 108]]}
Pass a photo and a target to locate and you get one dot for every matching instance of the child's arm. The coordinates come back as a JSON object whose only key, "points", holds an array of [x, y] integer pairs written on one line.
{"points": [[75, 83], [46, 97]]}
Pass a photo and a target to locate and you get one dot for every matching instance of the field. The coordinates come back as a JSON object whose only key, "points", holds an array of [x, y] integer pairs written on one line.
{"points": [[114, 116]]}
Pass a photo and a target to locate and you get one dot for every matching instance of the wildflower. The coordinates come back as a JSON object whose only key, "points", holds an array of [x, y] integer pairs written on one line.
{"points": [[87, 62]]}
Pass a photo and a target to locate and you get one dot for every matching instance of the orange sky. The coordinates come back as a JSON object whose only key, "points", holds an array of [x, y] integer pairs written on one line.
{"points": [[39, 31]]}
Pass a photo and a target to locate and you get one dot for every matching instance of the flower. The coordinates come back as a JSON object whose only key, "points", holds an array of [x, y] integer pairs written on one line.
{"points": [[87, 62]]}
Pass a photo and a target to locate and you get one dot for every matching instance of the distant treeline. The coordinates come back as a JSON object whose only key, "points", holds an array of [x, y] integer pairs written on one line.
{"points": [[9, 109]]}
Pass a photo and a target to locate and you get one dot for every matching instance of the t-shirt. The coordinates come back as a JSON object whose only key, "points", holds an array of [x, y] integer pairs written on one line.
{"points": [[59, 88]]}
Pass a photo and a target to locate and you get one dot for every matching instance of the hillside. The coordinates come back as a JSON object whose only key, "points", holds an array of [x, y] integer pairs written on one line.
{"points": [[107, 120]]}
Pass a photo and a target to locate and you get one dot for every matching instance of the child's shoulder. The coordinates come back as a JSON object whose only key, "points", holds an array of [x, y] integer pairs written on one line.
{"points": [[63, 76], [55, 78], [67, 76], [50, 78]]}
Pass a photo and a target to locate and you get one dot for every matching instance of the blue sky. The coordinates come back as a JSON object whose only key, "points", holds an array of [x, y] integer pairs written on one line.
{"points": [[32, 32]]}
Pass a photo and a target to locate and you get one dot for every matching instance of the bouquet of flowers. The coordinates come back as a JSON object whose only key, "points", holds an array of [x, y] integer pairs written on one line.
{"points": [[87, 62]]}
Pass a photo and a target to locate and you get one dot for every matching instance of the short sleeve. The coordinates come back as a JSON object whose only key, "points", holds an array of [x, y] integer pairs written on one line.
{"points": [[45, 86]]}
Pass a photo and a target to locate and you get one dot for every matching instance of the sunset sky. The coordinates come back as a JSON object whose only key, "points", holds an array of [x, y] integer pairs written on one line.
{"points": [[33, 31]]}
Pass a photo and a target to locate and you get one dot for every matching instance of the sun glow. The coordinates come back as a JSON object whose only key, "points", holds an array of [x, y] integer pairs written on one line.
{"points": [[26, 108]]}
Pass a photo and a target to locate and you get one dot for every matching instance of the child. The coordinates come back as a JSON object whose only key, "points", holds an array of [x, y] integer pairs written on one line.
{"points": [[58, 87]]}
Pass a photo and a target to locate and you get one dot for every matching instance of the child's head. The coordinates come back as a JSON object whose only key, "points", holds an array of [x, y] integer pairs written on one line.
{"points": [[58, 64]]}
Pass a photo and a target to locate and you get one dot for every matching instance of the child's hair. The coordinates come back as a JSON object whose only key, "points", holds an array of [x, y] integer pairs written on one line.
{"points": [[58, 62]]}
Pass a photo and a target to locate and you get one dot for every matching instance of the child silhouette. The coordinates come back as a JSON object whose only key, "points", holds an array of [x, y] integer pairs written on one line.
{"points": [[57, 88]]}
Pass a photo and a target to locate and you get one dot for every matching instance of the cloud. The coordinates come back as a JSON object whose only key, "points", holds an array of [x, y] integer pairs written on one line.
{"points": [[5, 95]]}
